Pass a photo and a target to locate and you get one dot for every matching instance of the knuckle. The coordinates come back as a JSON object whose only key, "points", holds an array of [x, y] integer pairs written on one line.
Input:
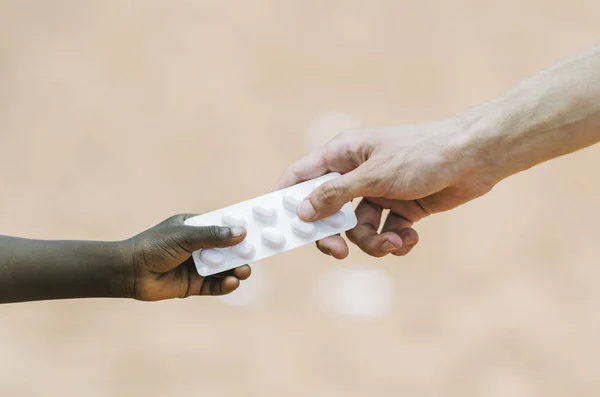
{"points": [[185, 217], [329, 193], [350, 234], [353, 141], [171, 220], [331, 157], [183, 241], [215, 233], [290, 170], [174, 218], [348, 135], [363, 242], [342, 145]]}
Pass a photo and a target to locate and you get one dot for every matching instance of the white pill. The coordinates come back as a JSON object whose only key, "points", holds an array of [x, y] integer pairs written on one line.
{"points": [[336, 220], [273, 238], [264, 214], [212, 257], [303, 229], [291, 202], [317, 184], [245, 249], [231, 219]]}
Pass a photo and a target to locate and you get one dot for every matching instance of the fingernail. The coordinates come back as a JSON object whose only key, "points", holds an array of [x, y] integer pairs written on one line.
{"points": [[409, 241], [306, 210], [237, 231], [388, 247]]}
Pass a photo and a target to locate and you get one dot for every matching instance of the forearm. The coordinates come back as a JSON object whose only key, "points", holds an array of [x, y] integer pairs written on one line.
{"points": [[550, 114], [39, 270]]}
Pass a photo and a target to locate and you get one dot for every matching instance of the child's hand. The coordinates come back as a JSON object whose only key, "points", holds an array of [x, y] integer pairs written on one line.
{"points": [[159, 263]]}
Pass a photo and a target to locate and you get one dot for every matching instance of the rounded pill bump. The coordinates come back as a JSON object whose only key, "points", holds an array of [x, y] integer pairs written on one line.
{"points": [[291, 202], [205, 269], [264, 214], [303, 229], [336, 220], [231, 219], [212, 257], [273, 238], [244, 250]]}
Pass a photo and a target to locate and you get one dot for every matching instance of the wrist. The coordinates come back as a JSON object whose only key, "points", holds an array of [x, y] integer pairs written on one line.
{"points": [[492, 142], [472, 150], [550, 114], [125, 252], [42, 270]]}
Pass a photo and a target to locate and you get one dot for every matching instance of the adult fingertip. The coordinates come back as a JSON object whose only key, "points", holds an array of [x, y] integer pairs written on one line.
{"points": [[336, 248], [324, 251], [242, 272], [340, 254], [388, 247], [229, 284], [306, 211], [321, 247], [391, 243], [409, 236]]}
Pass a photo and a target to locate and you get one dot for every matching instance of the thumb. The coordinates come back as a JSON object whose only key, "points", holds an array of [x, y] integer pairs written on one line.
{"points": [[331, 196], [193, 238]]}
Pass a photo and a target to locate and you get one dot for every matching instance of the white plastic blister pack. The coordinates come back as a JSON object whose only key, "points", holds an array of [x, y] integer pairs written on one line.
{"points": [[272, 227]]}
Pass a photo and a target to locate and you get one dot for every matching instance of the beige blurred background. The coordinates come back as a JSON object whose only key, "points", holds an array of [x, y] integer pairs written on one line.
{"points": [[117, 114]]}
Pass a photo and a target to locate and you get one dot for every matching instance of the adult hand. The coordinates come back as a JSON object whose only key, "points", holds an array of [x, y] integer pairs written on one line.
{"points": [[418, 170], [413, 171]]}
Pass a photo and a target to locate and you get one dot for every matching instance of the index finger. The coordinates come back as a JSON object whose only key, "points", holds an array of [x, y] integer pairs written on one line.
{"points": [[308, 167]]}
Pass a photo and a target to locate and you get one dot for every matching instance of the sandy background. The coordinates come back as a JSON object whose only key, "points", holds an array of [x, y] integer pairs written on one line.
{"points": [[117, 114]]}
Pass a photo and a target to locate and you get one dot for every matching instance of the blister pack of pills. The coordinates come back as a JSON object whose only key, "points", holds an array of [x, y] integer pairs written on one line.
{"points": [[272, 227]]}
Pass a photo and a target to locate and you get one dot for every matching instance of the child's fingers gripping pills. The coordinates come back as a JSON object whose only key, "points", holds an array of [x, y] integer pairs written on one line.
{"points": [[272, 227]]}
